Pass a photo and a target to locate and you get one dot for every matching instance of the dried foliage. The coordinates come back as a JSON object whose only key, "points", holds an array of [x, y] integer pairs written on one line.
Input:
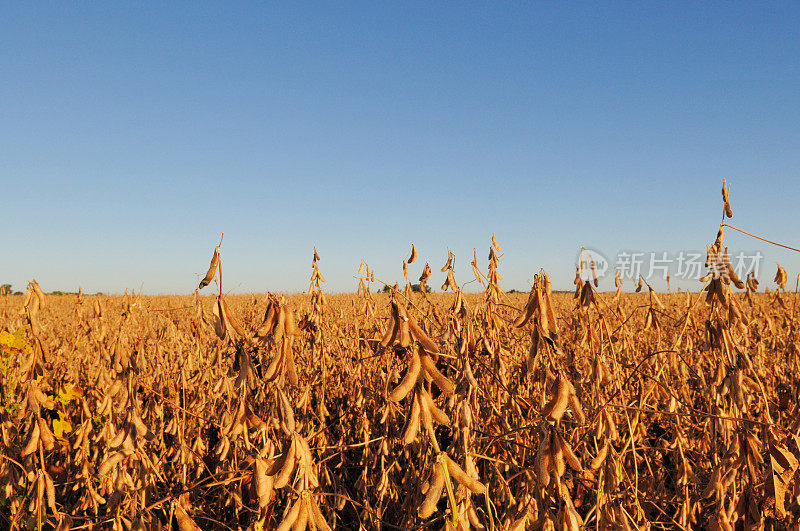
{"points": [[402, 410]]}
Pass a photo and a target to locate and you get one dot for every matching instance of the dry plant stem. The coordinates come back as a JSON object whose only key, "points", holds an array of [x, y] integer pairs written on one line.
{"points": [[760, 238]]}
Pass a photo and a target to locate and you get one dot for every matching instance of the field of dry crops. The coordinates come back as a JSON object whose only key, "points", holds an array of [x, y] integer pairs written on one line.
{"points": [[405, 410], [402, 410]]}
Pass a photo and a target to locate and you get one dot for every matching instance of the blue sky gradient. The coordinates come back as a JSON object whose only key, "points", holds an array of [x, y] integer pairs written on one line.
{"points": [[132, 133]]}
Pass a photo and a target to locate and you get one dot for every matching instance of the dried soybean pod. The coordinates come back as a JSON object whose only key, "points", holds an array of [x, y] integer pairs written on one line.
{"points": [[33, 440], [232, 321], [543, 459], [270, 318], [420, 336], [65, 522], [391, 331], [287, 413], [441, 380], [726, 199], [27, 299], [278, 463], [426, 274], [405, 336], [451, 280], [285, 473], [648, 321], [528, 310], [302, 518], [317, 518], [569, 455], [551, 315], [576, 407], [263, 483], [280, 326], [449, 262], [412, 423], [110, 462], [475, 270], [558, 404], [50, 489], [459, 475], [289, 323], [220, 325], [496, 245], [185, 523], [291, 516], [437, 414], [272, 369], [45, 435], [291, 372], [413, 257], [597, 462], [434, 492], [39, 294], [409, 380], [656, 299], [212, 269]]}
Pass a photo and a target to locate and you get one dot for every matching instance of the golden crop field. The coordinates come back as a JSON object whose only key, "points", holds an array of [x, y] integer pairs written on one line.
{"points": [[404, 410]]}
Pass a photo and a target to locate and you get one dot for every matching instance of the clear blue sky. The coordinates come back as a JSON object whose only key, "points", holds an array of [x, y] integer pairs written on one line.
{"points": [[132, 133]]}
